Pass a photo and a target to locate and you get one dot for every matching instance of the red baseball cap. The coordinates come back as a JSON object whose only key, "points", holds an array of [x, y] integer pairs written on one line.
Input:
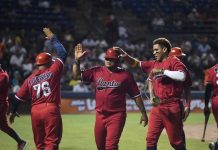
{"points": [[112, 54], [176, 51], [43, 58]]}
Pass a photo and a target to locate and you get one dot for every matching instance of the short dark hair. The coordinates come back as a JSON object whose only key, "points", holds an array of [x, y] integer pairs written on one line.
{"points": [[163, 42]]}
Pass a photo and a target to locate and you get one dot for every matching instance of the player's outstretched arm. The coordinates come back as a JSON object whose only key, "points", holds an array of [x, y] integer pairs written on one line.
{"points": [[133, 62], [140, 104], [78, 54], [58, 47]]}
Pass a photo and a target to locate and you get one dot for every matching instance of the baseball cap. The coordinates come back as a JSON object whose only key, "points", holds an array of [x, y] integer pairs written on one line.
{"points": [[176, 51]]}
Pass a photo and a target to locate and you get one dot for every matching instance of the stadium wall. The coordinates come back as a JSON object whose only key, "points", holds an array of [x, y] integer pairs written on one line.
{"points": [[74, 103]]}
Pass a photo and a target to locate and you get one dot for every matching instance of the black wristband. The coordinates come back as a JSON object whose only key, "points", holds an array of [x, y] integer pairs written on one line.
{"points": [[76, 61]]}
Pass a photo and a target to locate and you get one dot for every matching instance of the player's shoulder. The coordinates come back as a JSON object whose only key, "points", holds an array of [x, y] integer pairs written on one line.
{"points": [[124, 71], [148, 62], [95, 68], [174, 60], [34, 74], [4, 75], [213, 69]]}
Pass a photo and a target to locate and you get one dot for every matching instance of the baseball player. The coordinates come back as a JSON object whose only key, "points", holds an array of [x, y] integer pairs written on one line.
{"points": [[211, 91], [177, 51], [43, 87], [111, 84], [168, 74], [4, 86]]}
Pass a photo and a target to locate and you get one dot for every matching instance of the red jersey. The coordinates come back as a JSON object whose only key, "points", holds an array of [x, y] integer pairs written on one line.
{"points": [[111, 88], [212, 78], [4, 86], [165, 87], [43, 86]]}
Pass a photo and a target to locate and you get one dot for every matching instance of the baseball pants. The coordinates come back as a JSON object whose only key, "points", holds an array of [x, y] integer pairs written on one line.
{"points": [[46, 126], [215, 108], [3, 119], [168, 116], [108, 129]]}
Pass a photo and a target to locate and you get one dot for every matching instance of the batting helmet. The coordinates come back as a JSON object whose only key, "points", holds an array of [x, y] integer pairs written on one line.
{"points": [[176, 51], [43, 58], [112, 54]]}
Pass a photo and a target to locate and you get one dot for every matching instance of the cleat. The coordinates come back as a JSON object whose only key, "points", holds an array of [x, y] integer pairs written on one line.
{"points": [[22, 146]]}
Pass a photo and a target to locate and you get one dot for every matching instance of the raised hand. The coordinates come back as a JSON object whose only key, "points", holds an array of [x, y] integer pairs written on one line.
{"points": [[144, 119], [79, 53], [48, 33], [121, 51]]}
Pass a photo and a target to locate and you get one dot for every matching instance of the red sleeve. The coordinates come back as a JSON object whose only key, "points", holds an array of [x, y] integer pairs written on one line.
{"points": [[146, 66], [23, 92], [133, 89], [88, 74], [208, 77], [57, 66], [177, 65]]}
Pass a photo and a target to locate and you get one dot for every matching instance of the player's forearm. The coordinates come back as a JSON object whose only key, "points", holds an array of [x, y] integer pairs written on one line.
{"points": [[150, 88], [207, 95], [76, 70], [140, 104], [175, 75], [133, 62], [59, 48], [187, 95]]}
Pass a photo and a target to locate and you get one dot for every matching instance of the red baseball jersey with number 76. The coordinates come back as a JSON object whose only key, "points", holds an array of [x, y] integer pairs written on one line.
{"points": [[43, 86]]}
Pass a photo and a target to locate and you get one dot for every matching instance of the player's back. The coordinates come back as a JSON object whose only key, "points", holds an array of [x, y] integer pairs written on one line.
{"points": [[213, 78], [43, 85]]}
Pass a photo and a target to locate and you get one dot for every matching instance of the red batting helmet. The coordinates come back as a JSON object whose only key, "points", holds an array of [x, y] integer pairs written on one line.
{"points": [[43, 58], [176, 51], [112, 54]]}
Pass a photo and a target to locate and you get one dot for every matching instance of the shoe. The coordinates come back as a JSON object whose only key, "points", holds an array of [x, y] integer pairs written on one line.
{"points": [[22, 146]]}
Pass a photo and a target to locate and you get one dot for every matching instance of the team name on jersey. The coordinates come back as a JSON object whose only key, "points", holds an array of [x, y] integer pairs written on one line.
{"points": [[101, 84], [41, 77]]}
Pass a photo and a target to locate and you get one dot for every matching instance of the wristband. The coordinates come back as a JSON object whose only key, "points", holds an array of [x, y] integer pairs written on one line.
{"points": [[76, 61]]}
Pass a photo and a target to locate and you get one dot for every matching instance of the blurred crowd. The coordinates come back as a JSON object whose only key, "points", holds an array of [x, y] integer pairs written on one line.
{"points": [[18, 51], [19, 46]]}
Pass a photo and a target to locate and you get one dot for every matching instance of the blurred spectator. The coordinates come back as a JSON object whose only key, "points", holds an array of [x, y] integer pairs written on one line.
{"points": [[24, 3], [81, 87], [89, 41], [17, 59], [27, 66], [158, 22], [122, 30], [204, 47], [2, 50], [111, 25], [44, 4]]}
